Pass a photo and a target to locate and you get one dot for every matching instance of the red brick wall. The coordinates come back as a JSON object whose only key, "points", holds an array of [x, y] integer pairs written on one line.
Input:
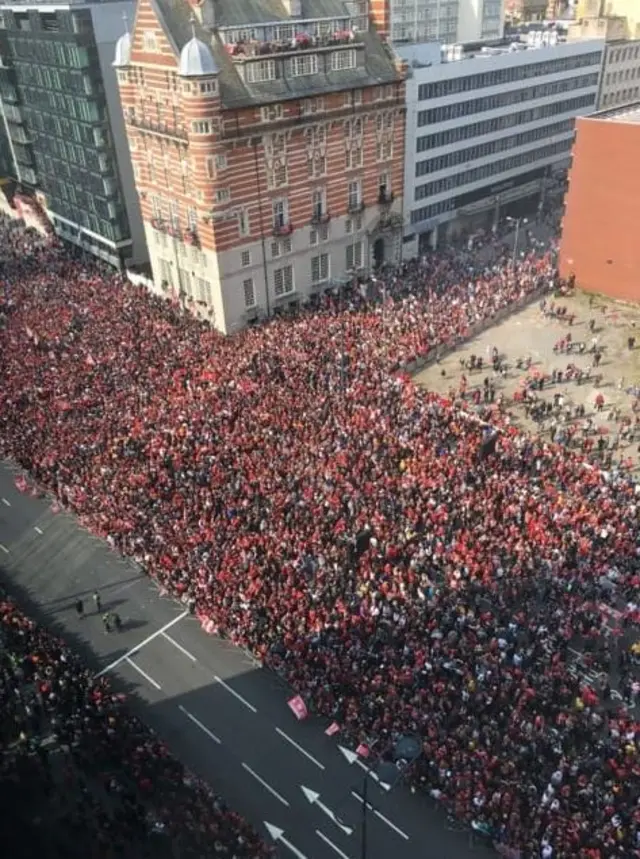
{"points": [[601, 228]]}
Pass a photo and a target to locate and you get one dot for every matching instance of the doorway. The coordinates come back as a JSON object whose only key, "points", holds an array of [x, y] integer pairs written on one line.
{"points": [[378, 252]]}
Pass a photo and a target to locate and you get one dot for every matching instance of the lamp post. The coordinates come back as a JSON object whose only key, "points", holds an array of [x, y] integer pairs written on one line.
{"points": [[517, 222]]}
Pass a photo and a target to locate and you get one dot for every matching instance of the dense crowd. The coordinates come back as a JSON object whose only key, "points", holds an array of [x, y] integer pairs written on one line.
{"points": [[404, 570], [81, 777]]}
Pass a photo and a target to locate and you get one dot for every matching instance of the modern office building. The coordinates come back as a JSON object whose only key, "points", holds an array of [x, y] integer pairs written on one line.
{"points": [[599, 244], [445, 21], [60, 109], [268, 144], [487, 129], [620, 80]]}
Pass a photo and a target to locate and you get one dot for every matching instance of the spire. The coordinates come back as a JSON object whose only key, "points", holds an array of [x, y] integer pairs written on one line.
{"points": [[192, 21], [125, 18]]}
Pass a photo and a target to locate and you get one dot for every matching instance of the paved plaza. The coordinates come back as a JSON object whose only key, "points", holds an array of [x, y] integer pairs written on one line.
{"points": [[532, 334]]}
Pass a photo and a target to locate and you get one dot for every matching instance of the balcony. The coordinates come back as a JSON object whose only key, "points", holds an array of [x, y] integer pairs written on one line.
{"points": [[153, 126], [282, 229], [320, 217], [354, 207], [251, 50], [385, 198], [192, 238]]}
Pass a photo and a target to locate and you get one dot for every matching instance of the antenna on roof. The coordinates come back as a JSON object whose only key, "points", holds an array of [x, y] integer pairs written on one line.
{"points": [[192, 21], [125, 18]]}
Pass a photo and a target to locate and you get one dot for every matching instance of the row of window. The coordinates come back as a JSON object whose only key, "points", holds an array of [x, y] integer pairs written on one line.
{"points": [[323, 28], [51, 53], [506, 99], [491, 147], [262, 71], [83, 109], [67, 209], [468, 177], [622, 96], [60, 126], [62, 80], [500, 77], [501, 123], [425, 213], [622, 75], [623, 55]]}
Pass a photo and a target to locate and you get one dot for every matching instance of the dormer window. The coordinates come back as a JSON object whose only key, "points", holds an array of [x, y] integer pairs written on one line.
{"points": [[341, 61], [260, 72], [307, 64]]}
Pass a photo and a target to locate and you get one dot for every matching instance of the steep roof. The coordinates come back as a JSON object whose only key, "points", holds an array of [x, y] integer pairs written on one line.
{"points": [[175, 17], [196, 60]]}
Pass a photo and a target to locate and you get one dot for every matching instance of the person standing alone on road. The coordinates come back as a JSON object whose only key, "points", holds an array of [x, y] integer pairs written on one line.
{"points": [[97, 601], [80, 609]]}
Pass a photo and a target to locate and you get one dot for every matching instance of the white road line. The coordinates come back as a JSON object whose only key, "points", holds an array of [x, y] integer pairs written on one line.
{"points": [[199, 724], [39, 530], [368, 770], [4, 549], [331, 844], [179, 647], [6, 503], [264, 784], [143, 673], [300, 749], [142, 644], [381, 817], [233, 692]]}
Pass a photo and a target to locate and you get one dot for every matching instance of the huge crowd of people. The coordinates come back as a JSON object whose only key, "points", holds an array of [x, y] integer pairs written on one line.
{"points": [[406, 568]]}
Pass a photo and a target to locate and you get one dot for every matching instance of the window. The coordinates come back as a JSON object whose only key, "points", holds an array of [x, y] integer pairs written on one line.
{"points": [[271, 113], [320, 268], [280, 213], [354, 157], [283, 281], [149, 42], [307, 64], [222, 195], [343, 60], [256, 73], [354, 194], [318, 203], [201, 126], [354, 256], [311, 105], [245, 259], [384, 150], [243, 224], [221, 162], [192, 219], [281, 248], [208, 88], [317, 166], [249, 292], [210, 167]]}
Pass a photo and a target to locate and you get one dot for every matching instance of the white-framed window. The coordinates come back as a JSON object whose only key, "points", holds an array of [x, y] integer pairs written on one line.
{"points": [[319, 234], [221, 162], [223, 195], [271, 113], [249, 293], [280, 210], [204, 289], [354, 194], [201, 126], [318, 203], [311, 105], [192, 218], [174, 214], [149, 41], [348, 226], [317, 165], [384, 184], [243, 223], [260, 72], [245, 259], [343, 60], [208, 88], [305, 64], [166, 273], [384, 150], [281, 248], [354, 157], [283, 283], [210, 167], [354, 256], [320, 268]]}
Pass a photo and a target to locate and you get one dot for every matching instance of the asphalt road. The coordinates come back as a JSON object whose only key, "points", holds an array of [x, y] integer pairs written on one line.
{"points": [[223, 715]]}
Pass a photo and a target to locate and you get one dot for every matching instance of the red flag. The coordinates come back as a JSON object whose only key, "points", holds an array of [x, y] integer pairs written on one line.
{"points": [[334, 728], [363, 750], [298, 708]]}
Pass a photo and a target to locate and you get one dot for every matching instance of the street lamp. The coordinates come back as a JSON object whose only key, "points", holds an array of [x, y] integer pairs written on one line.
{"points": [[517, 222]]}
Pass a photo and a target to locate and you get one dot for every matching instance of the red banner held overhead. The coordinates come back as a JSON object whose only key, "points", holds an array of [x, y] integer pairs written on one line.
{"points": [[298, 708], [334, 728]]}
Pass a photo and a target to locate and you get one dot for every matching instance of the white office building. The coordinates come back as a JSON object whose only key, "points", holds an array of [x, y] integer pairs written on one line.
{"points": [[488, 129], [444, 21]]}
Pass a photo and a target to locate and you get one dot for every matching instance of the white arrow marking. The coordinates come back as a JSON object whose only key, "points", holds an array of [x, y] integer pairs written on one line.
{"points": [[354, 758], [380, 816], [351, 757], [314, 799], [278, 835]]}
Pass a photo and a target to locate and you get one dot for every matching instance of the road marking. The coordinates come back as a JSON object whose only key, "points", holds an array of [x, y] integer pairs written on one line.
{"points": [[179, 647], [233, 691], [142, 673], [265, 785], [331, 844], [4, 549], [199, 724], [142, 644], [39, 530], [300, 749], [381, 816], [6, 503]]}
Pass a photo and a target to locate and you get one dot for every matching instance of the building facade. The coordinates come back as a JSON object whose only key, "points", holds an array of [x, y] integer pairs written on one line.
{"points": [[599, 243], [445, 21], [526, 10], [488, 130], [267, 156], [628, 10], [620, 81], [61, 113]]}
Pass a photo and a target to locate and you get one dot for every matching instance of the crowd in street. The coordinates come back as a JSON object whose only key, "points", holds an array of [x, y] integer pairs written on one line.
{"points": [[404, 568], [81, 777]]}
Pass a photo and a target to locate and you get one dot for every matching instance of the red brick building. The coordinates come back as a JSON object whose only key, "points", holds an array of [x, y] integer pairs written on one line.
{"points": [[600, 234], [267, 138]]}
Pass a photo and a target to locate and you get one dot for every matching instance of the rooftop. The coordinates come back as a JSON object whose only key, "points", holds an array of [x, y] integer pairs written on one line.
{"points": [[625, 113]]}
